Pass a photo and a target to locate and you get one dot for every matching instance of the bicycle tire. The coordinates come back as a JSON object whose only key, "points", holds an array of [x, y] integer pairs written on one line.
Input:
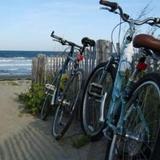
{"points": [[46, 108], [145, 142], [58, 127], [86, 110]]}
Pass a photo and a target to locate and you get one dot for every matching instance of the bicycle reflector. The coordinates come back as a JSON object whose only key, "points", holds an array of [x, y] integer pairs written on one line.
{"points": [[141, 66], [79, 57]]}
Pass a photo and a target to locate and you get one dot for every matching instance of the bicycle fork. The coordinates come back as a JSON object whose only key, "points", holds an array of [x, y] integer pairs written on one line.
{"points": [[53, 97]]}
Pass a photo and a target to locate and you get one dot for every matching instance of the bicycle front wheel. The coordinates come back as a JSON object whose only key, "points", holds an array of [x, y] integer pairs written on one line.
{"points": [[67, 103], [46, 107], [142, 123], [99, 83], [50, 92]]}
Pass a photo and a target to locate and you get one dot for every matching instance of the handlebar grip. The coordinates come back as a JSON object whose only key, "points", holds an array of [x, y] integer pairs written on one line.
{"points": [[112, 5], [157, 20], [56, 37], [52, 34], [87, 41]]}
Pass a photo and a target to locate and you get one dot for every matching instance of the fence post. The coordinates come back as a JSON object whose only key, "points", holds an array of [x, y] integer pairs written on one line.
{"points": [[103, 51], [34, 69], [39, 69]]}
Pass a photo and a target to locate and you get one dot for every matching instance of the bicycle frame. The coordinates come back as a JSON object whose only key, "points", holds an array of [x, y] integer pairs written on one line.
{"points": [[62, 70], [117, 99]]}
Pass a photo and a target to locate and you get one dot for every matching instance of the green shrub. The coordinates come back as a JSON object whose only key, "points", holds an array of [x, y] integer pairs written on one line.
{"points": [[33, 98]]}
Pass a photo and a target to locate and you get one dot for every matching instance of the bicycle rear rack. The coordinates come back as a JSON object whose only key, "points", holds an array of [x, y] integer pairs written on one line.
{"points": [[50, 90], [50, 87]]}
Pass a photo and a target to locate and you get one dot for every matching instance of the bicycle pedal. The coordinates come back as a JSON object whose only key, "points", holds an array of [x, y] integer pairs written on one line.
{"points": [[95, 90], [66, 103], [50, 87]]}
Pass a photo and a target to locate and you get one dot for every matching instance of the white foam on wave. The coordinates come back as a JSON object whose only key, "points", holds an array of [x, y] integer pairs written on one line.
{"points": [[15, 65]]}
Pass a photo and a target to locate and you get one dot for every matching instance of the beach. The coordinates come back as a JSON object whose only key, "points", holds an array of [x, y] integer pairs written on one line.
{"points": [[10, 116], [25, 137]]}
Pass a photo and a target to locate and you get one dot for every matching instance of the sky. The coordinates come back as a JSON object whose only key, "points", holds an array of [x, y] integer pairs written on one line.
{"points": [[27, 24]]}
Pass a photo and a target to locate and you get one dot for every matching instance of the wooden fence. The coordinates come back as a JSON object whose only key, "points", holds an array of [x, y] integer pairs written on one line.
{"points": [[43, 66], [55, 63]]}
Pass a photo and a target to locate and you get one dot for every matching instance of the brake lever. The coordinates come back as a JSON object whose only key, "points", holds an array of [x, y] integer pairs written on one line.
{"points": [[153, 24], [105, 8], [55, 40], [109, 9], [60, 41]]}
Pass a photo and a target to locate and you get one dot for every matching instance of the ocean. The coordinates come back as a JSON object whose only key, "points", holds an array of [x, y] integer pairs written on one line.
{"points": [[18, 63]]}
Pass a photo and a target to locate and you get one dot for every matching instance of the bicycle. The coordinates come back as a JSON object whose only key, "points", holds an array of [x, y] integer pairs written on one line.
{"points": [[66, 87], [126, 111]]}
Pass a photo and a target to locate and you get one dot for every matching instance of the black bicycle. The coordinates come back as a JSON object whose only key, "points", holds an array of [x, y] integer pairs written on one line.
{"points": [[63, 93]]}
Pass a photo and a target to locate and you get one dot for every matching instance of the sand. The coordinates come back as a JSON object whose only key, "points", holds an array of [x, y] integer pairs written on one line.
{"points": [[24, 137], [10, 116]]}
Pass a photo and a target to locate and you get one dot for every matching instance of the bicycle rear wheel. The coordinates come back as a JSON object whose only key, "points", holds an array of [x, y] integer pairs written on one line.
{"points": [[66, 104], [92, 99], [142, 123]]}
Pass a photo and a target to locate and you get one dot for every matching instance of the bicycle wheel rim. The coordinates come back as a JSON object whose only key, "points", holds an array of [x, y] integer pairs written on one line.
{"points": [[138, 143], [64, 113], [45, 107], [91, 106]]}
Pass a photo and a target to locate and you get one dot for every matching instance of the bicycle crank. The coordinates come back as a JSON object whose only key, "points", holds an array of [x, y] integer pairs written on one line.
{"points": [[64, 102]]}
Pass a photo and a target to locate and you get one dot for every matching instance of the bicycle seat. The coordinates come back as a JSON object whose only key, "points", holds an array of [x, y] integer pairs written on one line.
{"points": [[87, 41], [147, 41]]}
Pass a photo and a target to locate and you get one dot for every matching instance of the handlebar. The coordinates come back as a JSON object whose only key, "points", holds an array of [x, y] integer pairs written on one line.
{"points": [[64, 42], [85, 41], [113, 6], [151, 21]]}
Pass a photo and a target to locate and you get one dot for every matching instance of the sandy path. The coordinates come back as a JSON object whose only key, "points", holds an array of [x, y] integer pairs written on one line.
{"points": [[10, 117], [23, 137]]}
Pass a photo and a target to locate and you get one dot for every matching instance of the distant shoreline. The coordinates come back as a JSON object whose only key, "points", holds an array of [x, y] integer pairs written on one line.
{"points": [[15, 77], [26, 54]]}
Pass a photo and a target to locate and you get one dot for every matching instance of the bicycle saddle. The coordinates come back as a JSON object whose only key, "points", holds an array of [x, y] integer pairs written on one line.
{"points": [[87, 41], [147, 41]]}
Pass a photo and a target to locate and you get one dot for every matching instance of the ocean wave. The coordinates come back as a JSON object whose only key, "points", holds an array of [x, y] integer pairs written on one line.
{"points": [[11, 65], [15, 59], [19, 62], [15, 66]]}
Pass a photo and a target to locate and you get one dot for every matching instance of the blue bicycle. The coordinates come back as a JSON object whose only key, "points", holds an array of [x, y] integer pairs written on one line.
{"points": [[125, 108]]}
